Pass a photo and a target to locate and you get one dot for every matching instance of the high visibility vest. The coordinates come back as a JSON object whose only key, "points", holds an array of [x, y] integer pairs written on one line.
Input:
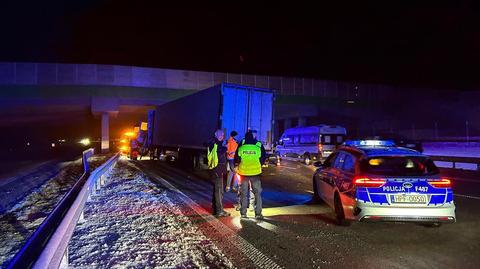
{"points": [[212, 157], [250, 159]]}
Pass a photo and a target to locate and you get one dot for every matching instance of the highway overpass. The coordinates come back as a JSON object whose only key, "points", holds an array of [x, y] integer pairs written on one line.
{"points": [[106, 90]]}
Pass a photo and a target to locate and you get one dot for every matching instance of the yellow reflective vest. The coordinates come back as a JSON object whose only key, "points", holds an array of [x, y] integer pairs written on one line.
{"points": [[250, 159], [212, 157]]}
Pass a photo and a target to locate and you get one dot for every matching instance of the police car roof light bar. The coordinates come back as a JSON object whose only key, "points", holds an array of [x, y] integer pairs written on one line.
{"points": [[370, 143]]}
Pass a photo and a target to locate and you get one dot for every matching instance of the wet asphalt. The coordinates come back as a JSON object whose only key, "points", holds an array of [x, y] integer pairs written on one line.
{"points": [[300, 233]]}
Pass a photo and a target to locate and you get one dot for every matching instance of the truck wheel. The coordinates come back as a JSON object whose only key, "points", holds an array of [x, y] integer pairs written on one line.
{"points": [[190, 160], [194, 161]]}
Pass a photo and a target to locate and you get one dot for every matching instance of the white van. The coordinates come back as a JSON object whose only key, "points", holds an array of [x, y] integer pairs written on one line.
{"points": [[310, 143]]}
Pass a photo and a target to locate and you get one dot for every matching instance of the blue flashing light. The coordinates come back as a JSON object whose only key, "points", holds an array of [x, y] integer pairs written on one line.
{"points": [[370, 143]]}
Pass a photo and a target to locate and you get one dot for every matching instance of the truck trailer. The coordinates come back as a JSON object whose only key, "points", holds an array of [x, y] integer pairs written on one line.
{"points": [[181, 129]]}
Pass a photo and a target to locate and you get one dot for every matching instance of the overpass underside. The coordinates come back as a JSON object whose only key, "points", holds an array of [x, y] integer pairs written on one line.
{"points": [[54, 102]]}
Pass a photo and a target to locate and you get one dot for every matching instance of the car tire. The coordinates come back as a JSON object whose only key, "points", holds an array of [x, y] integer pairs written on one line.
{"points": [[339, 213], [316, 197]]}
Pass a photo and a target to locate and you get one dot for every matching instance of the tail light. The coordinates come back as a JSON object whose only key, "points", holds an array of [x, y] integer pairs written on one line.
{"points": [[440, 183], [320, 147], [368, 182]]}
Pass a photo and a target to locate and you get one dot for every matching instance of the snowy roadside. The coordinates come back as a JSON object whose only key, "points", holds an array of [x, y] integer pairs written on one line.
{"points": [[133, 223], [20, 221]]}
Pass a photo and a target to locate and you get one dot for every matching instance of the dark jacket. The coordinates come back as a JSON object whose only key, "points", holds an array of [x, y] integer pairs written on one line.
{"points": [[250, 141]]}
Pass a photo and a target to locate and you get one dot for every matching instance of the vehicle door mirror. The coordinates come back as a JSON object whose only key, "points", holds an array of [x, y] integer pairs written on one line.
{"points": [[318, 164], [280, 142]]}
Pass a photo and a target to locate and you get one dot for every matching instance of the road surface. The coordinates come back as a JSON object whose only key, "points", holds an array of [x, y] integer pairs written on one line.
{"points": [[300, 234]]}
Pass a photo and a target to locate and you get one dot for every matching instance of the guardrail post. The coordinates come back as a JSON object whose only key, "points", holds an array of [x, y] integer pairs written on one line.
{"points": [[93, 192], [453, 164], [478, 166], [87, 154], [64, 262], [82, 217], [96, 185]]}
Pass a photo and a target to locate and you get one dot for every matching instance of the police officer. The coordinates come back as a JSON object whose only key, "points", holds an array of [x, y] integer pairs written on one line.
{"points": [[217, 162], [249, 157]]}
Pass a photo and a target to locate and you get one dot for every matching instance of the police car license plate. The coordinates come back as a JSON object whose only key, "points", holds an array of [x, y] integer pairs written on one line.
{"points": [[408, 199]]}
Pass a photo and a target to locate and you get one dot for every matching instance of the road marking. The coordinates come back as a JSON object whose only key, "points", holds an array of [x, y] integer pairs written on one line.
{"points": [[467, 196], [259, 259], [293, 168], [288, 210], [268, 226]]}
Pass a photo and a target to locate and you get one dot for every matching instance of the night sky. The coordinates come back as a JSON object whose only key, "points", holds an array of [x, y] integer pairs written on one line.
{"points": [[425, 43]]}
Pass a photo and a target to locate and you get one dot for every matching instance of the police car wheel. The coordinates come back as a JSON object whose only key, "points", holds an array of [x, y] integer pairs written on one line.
{"points": [[339, 213], [316, 196]]}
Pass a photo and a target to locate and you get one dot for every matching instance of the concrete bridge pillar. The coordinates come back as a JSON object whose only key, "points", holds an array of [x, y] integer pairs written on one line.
{"points": [[105, 107], [105, 133]]}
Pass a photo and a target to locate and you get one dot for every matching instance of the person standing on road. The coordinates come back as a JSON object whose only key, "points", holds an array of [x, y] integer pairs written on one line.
{"points": [[249, 157], [217, 163], [232, 146]]}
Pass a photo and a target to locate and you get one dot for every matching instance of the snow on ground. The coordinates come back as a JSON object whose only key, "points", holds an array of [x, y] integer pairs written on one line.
{"points": [[21, 220], [133, 223]]}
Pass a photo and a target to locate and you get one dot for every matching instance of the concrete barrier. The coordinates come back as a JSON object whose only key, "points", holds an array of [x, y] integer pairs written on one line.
{"points": [[458, 160]]}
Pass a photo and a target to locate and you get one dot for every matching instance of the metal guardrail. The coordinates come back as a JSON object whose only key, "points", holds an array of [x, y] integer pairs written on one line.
{"points": [[454, 160], [47, 247]]}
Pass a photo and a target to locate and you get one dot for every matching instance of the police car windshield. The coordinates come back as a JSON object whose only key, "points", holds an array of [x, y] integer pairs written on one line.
{"points": [[399, 166]]}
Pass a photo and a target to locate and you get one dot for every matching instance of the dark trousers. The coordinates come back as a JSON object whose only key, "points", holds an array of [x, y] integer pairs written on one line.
{"points": [[231, 175], [257, 192], [217, 198]]}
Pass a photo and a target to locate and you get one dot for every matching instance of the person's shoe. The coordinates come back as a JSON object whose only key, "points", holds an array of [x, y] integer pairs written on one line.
{"points": [[244, 216], [223, 214], [227, 189], [259, 217], [234, 189], [237, 207]]}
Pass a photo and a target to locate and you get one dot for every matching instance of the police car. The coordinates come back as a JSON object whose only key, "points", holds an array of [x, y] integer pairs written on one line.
{"points": [[373, 180]]}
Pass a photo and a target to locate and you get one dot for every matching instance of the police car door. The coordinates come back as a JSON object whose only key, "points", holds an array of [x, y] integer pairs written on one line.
{"points": [[344, 182], [320, 177], [328, 177], [336, 175]]}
